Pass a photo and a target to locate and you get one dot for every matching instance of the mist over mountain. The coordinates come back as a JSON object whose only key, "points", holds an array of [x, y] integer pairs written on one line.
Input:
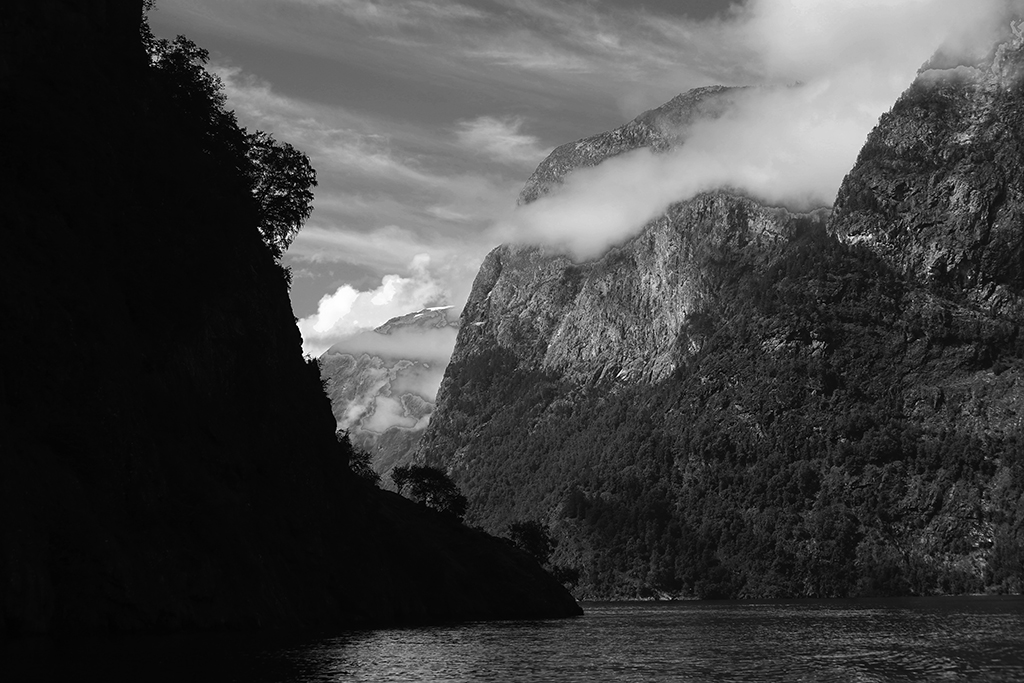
{"points": [[825, 72], [734, 399], [383, 383]]}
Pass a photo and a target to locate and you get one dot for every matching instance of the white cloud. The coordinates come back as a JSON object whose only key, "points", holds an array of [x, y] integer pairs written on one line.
{"points": [[388, 190], [430, 345], [348, 311], [389, 412], [809, 39], [500, 139], [397, 14], [400, 395], [399, 390], [335, 308], [788, 146], [336, 140], [453, 261]]}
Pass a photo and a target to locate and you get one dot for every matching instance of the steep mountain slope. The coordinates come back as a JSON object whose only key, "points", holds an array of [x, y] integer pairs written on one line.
{"points": [[739, 402], [382, 384], [937, 190], [168, 458]]}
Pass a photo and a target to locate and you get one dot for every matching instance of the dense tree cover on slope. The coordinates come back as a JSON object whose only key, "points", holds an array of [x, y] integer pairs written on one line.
{"points": [[821, 442], [535, 539]]}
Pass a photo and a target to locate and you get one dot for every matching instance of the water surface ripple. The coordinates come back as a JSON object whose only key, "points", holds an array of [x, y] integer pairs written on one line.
{"points": [[912, 639], [930, 639]]}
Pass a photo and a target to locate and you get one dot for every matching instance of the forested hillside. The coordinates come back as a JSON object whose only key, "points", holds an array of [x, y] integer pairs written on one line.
{"points": [[823, 411]]}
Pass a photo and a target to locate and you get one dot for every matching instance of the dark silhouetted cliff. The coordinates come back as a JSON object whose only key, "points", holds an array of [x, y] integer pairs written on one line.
{"points": [[168, 456]]}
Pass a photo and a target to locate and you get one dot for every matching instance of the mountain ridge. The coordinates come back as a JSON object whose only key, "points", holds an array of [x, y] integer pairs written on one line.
{"points": [[817, 416], [659, 129]]}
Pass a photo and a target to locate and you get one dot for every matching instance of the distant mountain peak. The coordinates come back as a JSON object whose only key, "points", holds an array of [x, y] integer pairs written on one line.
{"points": [[425, 318]]}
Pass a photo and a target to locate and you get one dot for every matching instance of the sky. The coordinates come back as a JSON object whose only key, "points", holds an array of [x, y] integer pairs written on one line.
{"points": [[424, 118]]}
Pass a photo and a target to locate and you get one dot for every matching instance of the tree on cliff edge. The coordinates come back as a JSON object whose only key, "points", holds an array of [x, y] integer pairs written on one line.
{"points": [[280, 178], [431, 487]]}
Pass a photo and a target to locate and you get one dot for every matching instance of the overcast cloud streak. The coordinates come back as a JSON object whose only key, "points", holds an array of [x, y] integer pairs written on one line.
{"points": [[501, 139], [425, 118]]}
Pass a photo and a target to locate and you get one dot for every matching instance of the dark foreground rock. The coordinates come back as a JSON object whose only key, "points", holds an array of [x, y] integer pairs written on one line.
{"points": [[168, 457]]}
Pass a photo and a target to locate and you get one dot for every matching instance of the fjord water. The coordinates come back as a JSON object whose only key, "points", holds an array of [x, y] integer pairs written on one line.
{"points": [[911, 639]]}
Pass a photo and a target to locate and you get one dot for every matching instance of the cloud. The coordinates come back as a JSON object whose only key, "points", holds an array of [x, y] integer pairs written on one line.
{"points": [[337, 140], [386, 412], [435, 146], [388, 191], [452, 265], [379, 398], [400, 389], [807, 39], [398, 14], [785, 145], [430, 345], [500, 139], [347, 311], [387, 249]]}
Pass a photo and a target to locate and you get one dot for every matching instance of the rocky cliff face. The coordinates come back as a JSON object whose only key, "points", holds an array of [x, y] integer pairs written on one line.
{"points": [[937, 190], [741, 402], [382, 384], [169, 459], [618, 318]]}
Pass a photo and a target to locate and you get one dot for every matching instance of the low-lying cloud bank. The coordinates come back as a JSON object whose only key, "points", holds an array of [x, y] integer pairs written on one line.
{"points": [[393, 378], [349, 311], [829, 70], [400, 396], [431, 346]]}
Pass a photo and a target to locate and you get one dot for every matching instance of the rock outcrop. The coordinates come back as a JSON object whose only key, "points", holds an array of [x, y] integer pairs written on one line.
{"points": [[168, 457], [619, 317]]}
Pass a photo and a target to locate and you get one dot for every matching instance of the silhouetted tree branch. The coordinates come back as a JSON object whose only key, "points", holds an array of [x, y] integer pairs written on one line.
{"points": [[431, 487], [279, 177], [358, 459], [282, 178]]}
